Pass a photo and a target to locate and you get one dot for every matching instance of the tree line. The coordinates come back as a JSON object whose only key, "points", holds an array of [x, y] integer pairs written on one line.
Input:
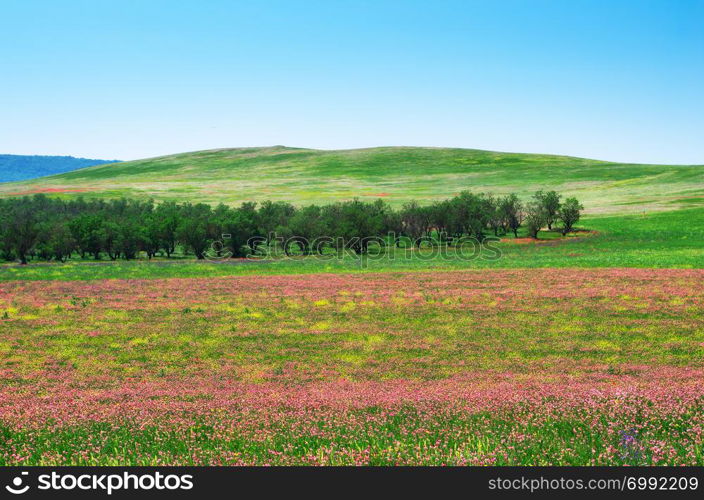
{"points": [[40, 227]]}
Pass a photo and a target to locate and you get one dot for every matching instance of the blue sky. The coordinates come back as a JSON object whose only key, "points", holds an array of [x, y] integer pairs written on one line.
{"points": [[615, 80]]}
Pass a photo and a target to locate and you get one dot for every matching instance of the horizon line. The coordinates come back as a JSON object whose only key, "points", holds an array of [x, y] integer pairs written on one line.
{"points": [[114, 160]]}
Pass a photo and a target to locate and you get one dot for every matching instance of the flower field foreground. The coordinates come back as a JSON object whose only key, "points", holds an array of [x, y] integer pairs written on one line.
{"points": [[550, 366]]}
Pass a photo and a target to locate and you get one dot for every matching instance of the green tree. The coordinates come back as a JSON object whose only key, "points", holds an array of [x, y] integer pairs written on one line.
{"points": [[131, 238], [470, 214], [306, 225], [494, 216], [21, 229], [550, 201], [534, 218], [440, 218], [165, 223], [194, 228], [55, 240], [415, 221], [354, 223], [569, 214], [512, 215], [273, 215], [86, 230]]}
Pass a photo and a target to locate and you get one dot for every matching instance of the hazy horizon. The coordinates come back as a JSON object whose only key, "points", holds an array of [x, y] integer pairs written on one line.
{"points": [[260, 146]]}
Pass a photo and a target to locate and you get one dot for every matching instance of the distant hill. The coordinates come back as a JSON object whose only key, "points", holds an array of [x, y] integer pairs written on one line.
{"points": [[21, 167], [396, 174]]}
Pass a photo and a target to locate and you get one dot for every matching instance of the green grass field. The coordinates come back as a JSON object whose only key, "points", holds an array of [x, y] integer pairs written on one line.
{"points": [[397, 174]]}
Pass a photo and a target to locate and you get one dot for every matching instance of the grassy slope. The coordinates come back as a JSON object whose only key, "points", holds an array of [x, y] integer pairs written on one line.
{"points": [[395, 173]]}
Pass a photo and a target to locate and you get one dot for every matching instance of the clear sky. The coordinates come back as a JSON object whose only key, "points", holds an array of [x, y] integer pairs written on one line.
{"points": [[615, 80]]}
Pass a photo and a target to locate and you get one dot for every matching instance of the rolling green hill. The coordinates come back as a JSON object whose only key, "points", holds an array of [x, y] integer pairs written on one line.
{"points": [[396, 174]]}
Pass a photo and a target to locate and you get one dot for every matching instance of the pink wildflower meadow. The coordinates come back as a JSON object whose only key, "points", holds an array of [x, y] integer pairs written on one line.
{"points": [[509, 367]]}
